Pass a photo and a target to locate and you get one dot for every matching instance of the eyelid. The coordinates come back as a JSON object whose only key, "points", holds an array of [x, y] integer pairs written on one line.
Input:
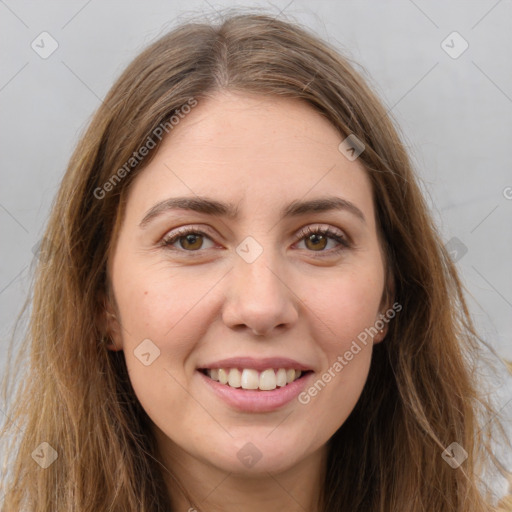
{"points": [[314, 228], [181, 231]]}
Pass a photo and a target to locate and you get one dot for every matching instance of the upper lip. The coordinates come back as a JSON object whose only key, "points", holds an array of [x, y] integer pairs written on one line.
{"points": [[259, 364]]}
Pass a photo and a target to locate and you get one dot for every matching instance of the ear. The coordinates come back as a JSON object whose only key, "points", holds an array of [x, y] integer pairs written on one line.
{"points": [[386, 304], [380, 321], [110, 324]]}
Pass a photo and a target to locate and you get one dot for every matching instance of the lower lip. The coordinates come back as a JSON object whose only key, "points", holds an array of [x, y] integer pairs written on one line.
{"points": [[249, 400]]}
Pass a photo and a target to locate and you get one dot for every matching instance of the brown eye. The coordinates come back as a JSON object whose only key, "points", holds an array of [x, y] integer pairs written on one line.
{"points": [[190, 240], [316, 241]]}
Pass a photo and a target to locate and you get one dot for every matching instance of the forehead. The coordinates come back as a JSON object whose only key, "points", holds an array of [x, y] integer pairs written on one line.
{"points": [[256, 151]]}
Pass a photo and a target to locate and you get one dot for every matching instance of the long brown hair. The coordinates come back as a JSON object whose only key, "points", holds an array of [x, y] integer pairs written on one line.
{"points": [[422, 392]]}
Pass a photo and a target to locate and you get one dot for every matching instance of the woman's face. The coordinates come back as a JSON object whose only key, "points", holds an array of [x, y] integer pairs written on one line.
{"points": [[249, 294]]}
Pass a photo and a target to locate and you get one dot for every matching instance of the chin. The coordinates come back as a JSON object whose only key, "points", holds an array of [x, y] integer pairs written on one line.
{"points": [[259, 454]]}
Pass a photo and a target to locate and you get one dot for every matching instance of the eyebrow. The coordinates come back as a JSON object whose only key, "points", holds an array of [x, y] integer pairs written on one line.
{"points": [[212, 207]]}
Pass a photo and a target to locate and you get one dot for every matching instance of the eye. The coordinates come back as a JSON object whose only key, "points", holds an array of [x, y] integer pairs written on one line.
{"points": [[190, 239], [317, 239]]}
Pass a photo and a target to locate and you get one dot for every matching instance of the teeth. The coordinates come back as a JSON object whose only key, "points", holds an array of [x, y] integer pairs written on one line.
{"points": [[234, 378], [223, 376], [268, 380], [281, 377], [248, 378], [290, 375]]}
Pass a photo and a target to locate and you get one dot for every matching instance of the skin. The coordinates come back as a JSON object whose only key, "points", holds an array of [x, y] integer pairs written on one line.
{"points": [[201, 303]]}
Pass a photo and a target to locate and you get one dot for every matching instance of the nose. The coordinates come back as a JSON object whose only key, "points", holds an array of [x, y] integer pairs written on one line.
{"points": [[259, 298]]}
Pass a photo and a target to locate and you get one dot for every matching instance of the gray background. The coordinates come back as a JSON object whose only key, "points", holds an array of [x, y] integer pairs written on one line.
{"points": [[455, 114]]}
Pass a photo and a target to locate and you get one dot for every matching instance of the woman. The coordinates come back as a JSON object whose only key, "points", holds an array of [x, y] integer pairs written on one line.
{"points": [[242, 299]]}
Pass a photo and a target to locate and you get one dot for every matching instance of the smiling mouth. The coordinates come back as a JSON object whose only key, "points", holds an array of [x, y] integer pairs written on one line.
{"points": [[250, 379]]}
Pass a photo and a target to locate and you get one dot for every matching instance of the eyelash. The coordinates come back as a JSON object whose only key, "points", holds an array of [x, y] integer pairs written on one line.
{"points": [[167, 242]]}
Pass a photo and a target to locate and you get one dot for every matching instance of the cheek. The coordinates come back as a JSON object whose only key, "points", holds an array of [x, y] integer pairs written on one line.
{"points": [[344, 311], [346, 307], [168, 307], [335, 392], [161, 318], [156, 301]]}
